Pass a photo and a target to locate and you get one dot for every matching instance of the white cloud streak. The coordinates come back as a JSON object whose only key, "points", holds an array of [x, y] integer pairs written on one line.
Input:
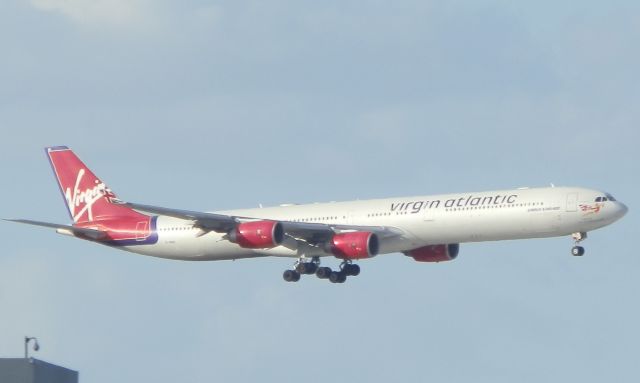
{"points": [[113, 13]]}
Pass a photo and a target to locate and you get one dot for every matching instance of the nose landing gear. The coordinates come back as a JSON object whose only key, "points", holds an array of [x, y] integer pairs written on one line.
{"points": [[578, 250]]}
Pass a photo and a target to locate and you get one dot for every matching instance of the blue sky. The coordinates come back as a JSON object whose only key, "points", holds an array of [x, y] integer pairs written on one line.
{"points": [[211, 105]]}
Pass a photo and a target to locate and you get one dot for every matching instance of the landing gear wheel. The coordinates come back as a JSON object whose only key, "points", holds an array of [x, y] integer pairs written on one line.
{"points": [[351, 269], [323, 272], [291, 276], [577, 251], [306, 267], [337, 277]]}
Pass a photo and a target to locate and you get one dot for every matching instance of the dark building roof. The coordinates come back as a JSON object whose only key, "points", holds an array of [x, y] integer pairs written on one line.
{"points": [[21, 370]]}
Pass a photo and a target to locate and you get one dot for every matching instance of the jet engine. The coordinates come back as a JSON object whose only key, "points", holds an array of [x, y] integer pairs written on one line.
{"points": [[354, 245], [435, 253], [257, 234]]}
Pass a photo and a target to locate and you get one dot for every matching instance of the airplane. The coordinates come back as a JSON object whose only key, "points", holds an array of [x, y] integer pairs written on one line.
{"points": [[426, 228]]}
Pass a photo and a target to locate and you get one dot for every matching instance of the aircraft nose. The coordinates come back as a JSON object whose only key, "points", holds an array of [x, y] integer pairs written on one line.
{"points": [[622, 209]]}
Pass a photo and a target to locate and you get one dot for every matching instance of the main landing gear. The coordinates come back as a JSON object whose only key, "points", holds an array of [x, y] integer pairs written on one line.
{"points": [[301, 267], [577, 250], [347, 269]]}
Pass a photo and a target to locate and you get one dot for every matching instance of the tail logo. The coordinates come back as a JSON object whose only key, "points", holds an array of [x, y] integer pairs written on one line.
{"points": [[85, 199]]}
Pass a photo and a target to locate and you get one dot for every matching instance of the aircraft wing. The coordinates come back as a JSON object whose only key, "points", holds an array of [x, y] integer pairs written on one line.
{"points": [[309, 232], [319, 232], [208, 221], [91, 233]]}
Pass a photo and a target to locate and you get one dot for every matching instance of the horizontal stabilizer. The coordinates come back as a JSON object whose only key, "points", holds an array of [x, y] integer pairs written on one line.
{"points": [[90, 233]]}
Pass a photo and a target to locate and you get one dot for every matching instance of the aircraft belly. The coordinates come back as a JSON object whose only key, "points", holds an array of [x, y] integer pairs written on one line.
{"points": [[189, 247], [486, 226]]}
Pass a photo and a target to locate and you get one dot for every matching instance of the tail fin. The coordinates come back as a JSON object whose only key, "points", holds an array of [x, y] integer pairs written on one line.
{"points": [[87, 197]]}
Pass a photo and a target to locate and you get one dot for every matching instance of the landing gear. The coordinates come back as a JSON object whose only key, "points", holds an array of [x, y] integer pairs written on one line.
{"points": [[307, 267], [347, 269], [291, 276], [351, 269], [578, 250], [302, 266], [323, 272], [337, 277]]}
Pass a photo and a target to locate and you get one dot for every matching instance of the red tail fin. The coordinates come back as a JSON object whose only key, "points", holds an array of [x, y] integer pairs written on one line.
{"points": [[88, 198]]}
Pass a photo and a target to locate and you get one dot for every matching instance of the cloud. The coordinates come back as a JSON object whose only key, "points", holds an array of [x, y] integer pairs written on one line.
{"points": [[114, 13]]}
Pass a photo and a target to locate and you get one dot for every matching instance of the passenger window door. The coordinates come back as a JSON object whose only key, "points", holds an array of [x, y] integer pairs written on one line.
{"points": [[572, 202]]}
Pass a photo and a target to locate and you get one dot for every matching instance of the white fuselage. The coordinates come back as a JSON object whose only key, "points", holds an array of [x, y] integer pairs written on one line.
{"points": [[422, 220]]}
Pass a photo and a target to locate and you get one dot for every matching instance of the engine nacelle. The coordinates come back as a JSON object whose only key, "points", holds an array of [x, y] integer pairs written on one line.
{"points": [[355, 245], [257, 234], [435, 253]]}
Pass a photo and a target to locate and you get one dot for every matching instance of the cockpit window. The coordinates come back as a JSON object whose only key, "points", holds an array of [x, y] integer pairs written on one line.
{"points": [[608, 197]]}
